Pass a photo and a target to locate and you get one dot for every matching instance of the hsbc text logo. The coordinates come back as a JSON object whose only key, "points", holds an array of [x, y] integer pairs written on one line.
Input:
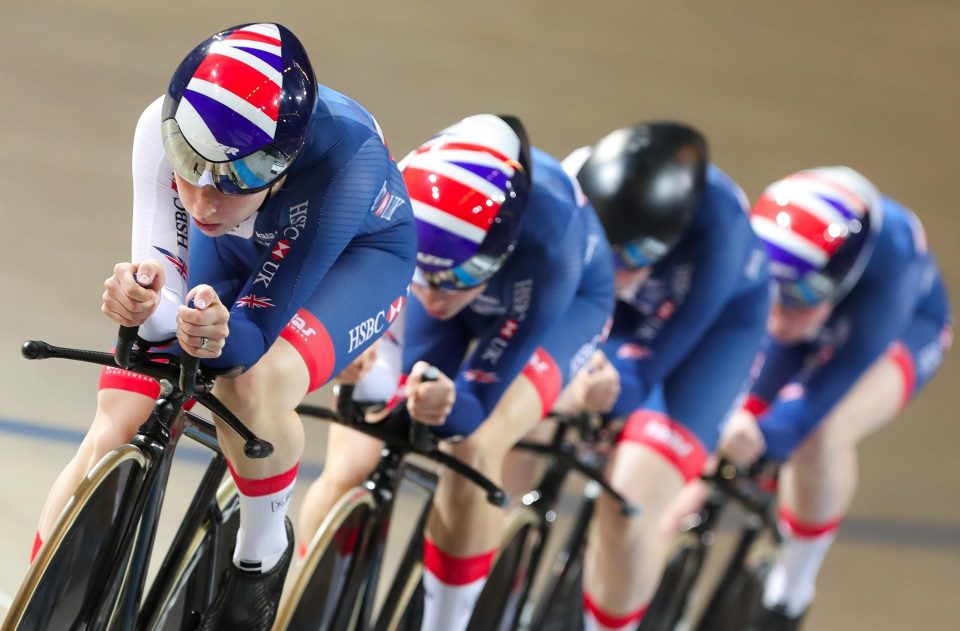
{"points": [[360, 334]]}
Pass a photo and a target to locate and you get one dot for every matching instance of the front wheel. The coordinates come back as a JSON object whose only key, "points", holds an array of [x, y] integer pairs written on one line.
{"points": [[328, 594], [208, 553], [498, 605], [72, 583], [669, 604]]}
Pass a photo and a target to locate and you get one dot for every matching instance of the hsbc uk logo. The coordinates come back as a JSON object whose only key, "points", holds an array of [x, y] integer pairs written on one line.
{"points": [[363, 332], [279, 251]]}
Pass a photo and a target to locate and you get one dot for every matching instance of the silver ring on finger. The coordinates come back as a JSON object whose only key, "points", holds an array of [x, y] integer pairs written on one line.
{"points": [[204, 342]]}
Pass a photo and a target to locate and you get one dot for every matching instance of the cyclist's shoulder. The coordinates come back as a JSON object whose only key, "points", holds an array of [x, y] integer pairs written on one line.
{"points": [[901, 242], [553, 208], [340, 128], [724, 206], [151, 113]]}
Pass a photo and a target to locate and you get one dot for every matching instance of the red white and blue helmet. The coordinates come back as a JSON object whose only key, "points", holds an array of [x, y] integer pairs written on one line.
{"points": [[469, 186], [819, 227], [238, 107]]}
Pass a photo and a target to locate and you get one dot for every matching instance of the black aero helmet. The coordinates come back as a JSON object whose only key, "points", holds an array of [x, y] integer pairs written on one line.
{"points": [[645, 183]]}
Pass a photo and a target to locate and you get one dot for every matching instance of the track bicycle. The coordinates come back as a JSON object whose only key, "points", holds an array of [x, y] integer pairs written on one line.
{"points": [[504, 602], [739, 587], [91, 573], [337, 585]]}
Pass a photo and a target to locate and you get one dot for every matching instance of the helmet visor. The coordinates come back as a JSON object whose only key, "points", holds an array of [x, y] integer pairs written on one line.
{"points": [[249, 174], [808, 291], [639, 253], [471, 273]]}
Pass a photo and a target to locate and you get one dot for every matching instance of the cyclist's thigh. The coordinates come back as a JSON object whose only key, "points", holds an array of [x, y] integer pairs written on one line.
{"points": [[359, 297], [886, 387]]}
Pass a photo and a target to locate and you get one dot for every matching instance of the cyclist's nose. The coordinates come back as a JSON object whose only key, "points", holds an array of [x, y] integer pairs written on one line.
{"points": [[207, 203]]}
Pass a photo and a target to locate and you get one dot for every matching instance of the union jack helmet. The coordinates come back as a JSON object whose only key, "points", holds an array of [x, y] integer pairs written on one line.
{"points": [[819, 227], [469, 186], [238, 107]]}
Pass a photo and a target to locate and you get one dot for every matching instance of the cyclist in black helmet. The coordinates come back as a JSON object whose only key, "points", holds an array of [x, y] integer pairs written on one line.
{"points": [[692, 302]]}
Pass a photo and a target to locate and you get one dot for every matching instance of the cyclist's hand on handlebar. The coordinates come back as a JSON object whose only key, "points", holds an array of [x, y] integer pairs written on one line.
{"points": [[206, 320], [133, 292], [597, 387], [742, 441], [429, 401], [355, 371]]}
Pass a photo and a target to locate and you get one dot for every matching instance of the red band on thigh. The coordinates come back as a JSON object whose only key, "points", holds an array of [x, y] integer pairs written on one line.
{"points": [[903, 358], [451, 570], [263, 486], [120, 379], [612, 621], [670, 439], [807, 530], [543, 373], [308, 335]]}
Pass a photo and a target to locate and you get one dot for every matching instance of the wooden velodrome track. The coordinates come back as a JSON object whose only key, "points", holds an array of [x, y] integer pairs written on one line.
{"points": [[776, 87]]}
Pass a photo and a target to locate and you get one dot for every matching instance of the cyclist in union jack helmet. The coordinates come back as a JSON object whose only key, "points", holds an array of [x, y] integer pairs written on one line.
{"points": [[271, 231], [692, 300], [859, 324], [513, 287]]}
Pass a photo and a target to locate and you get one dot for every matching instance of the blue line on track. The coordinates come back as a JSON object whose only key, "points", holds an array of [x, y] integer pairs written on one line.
{"points": [[51, 433]]}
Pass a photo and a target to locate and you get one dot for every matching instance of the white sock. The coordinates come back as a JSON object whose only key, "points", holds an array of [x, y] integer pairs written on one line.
{"points": [[792, 580], [451, 587], [262, 538]]}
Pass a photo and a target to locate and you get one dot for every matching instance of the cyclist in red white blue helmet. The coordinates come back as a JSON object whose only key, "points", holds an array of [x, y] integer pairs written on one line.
{"points": [[859, 323], [262, 199], [819, 228], [513, 287], [469, 186]]}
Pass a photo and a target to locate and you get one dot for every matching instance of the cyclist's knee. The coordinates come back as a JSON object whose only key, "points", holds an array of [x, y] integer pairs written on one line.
{"points": [[821, 448], [645, 477], [478, 455], [343, 473], [275, 384]]}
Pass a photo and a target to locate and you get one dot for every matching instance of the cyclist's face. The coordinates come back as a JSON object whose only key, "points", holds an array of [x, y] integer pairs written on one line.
{"points": [[443, 304], [217, 213], [792, 325]]}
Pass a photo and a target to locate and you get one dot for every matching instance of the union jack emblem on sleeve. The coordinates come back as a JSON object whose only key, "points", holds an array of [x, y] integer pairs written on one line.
{"points": [[178, 263], [254, 302]]}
